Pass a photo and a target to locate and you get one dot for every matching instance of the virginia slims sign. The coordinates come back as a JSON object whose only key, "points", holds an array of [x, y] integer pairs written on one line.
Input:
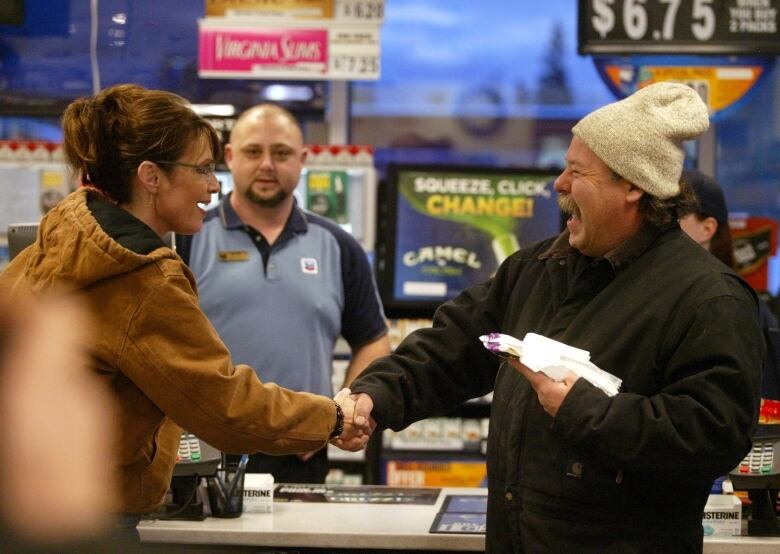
{"points": [[246, 48], [453, 228]]}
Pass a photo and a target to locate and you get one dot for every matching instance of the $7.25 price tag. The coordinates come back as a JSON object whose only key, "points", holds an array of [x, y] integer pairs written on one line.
{"points": [[355, 65]]}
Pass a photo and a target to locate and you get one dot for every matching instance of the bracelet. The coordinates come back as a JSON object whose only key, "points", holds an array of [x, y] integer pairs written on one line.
{"points": [[339, 428]]}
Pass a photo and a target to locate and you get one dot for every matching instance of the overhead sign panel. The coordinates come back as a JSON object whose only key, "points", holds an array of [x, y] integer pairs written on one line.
{"points": [[290, 39], [342, 10], [720, 86], [679, 27]]}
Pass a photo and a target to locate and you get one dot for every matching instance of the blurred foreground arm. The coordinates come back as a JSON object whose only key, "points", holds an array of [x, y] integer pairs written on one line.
{"points": [[56, 482]]}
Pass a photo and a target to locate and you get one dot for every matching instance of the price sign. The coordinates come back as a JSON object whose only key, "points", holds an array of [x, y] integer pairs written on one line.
{"points": [[360, 10], [354, 65], [679, 27]]}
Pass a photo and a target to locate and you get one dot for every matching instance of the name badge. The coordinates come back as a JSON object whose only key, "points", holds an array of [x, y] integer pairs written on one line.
{"points": [[233, 256]]}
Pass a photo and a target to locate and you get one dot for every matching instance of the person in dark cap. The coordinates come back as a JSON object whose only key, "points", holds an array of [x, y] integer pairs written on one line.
{"points": [[571, 468], [707, 222]]}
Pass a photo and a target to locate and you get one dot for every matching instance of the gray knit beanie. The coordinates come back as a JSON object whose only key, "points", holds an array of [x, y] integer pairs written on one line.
{"points": [[640, 137]]}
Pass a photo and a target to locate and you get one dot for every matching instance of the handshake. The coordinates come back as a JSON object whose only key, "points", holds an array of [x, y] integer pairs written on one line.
{"points": [[358, 423]]}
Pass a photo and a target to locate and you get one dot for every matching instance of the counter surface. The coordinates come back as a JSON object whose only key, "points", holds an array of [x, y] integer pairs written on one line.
{"points": [[367, 526], [323, 525]]}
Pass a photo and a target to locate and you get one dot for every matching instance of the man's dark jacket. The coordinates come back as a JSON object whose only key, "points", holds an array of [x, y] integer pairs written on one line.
{"points": [[626, 473]]}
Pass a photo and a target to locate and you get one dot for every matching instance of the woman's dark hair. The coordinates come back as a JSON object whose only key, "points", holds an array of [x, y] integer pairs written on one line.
{"points": [[722, 245], [107, 136]]}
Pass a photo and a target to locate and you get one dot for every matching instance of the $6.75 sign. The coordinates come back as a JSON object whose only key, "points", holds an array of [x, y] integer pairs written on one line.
{"points": [[679, 26]]}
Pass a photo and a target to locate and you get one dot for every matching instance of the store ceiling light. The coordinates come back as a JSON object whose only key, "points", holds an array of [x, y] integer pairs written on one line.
{"points": [[288, 93], [218, 110]]}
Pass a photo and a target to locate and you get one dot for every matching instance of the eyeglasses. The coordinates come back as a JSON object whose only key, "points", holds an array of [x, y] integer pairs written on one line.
{"points": [[205, 170]]}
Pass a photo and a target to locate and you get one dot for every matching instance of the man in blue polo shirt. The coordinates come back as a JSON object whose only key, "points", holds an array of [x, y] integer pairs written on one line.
{"points": [[280, 284]]}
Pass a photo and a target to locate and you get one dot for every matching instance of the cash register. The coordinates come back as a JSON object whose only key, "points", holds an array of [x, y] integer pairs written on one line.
{"points": [[195, 459], [759, 475]]}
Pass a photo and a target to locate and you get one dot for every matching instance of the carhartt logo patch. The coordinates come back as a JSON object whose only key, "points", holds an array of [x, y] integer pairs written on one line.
{"points": [[309, 265], [233, 255]]}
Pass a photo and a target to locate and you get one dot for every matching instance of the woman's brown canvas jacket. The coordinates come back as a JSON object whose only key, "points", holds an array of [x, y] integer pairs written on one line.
{"points": [[165, 365]]}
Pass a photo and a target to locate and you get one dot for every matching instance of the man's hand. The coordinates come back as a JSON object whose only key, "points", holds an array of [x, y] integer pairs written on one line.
{"points": [[363, 407], [550, 392], [358, 423]]}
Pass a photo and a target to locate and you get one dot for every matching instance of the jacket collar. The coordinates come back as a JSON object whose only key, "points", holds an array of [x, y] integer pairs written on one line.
{"points": [[122, 226], [74, 251], [621, 256]]}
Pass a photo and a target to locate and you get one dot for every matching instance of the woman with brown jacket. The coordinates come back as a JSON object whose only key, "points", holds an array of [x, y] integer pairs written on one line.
{"points": [[146, 162]]}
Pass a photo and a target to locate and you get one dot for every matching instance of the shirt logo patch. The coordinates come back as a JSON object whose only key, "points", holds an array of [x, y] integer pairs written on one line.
{"points": [[309, 265], [233, 255]]}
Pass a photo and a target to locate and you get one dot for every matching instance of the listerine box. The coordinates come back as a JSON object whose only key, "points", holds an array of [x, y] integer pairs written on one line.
{"points": [[722, 516], [258, 493]]}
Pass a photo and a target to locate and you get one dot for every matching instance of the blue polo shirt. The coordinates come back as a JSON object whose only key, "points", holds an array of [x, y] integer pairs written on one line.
{"points": [[280, 308]]}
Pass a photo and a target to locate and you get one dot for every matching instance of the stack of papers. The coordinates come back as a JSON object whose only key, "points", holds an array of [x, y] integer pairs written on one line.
{"points": [[554, 359]]}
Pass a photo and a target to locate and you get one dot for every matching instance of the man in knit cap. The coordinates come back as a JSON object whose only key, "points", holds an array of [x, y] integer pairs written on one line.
{"points": [[571, 468]]}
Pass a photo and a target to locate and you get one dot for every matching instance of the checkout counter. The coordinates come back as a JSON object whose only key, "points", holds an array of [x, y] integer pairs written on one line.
{"points": [[311, 525]]}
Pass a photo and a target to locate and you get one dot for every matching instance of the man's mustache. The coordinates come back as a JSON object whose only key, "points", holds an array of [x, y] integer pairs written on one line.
{"points": [[567, 205]]}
